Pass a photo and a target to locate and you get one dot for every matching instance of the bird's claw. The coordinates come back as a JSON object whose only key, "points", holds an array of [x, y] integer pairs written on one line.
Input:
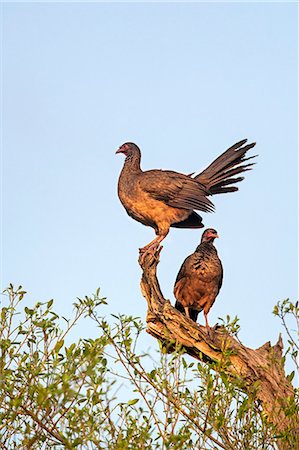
{"points": [[153, 250], [149, 248], [210, 331]]}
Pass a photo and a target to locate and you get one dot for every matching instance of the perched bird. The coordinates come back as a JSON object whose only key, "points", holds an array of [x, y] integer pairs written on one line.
{"points": [[162, 198], [200, 278]]}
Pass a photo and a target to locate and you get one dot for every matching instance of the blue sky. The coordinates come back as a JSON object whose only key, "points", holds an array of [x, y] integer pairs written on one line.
{"points": [[183, 81]]}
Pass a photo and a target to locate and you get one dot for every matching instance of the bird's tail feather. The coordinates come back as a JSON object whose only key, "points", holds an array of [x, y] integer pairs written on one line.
{"points": [[218, 176], [193, 221]]}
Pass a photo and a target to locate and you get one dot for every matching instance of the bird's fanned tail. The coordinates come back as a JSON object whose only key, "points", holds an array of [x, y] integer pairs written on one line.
{"points": [[219, 175]]}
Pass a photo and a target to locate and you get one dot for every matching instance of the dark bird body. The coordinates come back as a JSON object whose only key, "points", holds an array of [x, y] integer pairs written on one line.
{"points": [[162, 198], [199, 279]]}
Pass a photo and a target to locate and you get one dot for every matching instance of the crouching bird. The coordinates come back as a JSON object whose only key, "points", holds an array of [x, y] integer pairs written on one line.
{"points": [[162, 198], [199, 279]]}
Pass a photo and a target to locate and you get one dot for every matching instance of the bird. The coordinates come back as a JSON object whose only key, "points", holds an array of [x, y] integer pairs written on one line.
{"points": [[163, 198], [199, 279]]}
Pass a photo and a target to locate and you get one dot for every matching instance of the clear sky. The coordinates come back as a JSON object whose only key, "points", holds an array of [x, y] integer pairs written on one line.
{"points": [[183, 81]]}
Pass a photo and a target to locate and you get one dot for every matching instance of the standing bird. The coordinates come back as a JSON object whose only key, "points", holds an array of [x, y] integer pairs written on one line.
{"points": [[162, 198], [200, 278]]}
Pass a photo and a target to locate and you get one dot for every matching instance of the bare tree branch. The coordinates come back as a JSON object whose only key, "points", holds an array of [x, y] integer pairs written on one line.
{"points": [[259, 370]]}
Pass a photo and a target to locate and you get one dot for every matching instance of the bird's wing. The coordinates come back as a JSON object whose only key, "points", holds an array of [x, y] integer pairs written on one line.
{"points": [[198, 258], [220, 277], [175, 189], [207, 266], [185, 269], [182, 278], [183, 283], [196, 265]]}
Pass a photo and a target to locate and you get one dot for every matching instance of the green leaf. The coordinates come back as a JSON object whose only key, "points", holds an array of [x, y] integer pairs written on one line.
{"points": [[50, 303], [291, 376], [133, 402], [59, 345]]}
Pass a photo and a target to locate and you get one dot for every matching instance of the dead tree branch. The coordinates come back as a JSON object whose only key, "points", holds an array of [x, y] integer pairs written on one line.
{"points": [[260, 370]]}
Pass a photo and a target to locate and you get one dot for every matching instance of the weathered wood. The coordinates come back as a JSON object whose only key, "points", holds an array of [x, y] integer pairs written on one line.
{"points": [[261, 369]]}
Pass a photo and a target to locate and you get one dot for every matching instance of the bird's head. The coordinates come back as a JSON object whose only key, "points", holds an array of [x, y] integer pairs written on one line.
{"points": [[209, 235], [129, 149]]}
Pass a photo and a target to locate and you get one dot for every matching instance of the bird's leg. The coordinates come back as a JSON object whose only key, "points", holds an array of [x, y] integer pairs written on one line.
{"points": [[207, 323], [151, 248], [153, 245], [187, 312]]}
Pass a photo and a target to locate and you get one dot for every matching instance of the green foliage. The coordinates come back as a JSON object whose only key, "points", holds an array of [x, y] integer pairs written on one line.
{"points": [[104, 394], [288, 312]]}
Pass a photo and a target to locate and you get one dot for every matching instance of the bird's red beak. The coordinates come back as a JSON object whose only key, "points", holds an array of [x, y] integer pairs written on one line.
{"points": [[120, 150], [212, 235]]}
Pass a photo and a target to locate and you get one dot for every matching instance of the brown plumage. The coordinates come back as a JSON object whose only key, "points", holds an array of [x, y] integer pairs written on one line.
{"points": [[199, 279], [162, 198]]}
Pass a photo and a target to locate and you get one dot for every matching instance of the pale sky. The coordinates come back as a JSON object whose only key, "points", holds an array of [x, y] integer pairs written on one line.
{"points": [[184, 82]]}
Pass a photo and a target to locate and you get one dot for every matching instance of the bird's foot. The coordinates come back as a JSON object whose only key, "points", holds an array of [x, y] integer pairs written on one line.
{"points": [[149, 248], [153, 250], [211, 332]]}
